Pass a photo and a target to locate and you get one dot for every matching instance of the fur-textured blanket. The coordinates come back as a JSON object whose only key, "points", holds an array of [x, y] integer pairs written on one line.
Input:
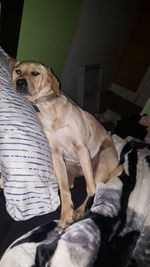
{"points": [[115, 230]]}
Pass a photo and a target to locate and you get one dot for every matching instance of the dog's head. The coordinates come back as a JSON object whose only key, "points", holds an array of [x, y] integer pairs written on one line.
{"points": [[33, 79]]}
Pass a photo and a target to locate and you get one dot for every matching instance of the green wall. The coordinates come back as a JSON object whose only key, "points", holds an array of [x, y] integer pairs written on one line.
{"points": [[47, 30]]}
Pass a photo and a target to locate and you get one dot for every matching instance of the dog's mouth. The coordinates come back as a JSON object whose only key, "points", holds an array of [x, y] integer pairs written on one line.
{"points": [[22, 86]]}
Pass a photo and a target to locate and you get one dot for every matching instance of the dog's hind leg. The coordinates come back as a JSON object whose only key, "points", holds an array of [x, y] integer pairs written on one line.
{"points": [[107, 167]]}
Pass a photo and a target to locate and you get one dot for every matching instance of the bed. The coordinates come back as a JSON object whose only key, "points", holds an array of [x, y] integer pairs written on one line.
{"points": [[115, 228]]}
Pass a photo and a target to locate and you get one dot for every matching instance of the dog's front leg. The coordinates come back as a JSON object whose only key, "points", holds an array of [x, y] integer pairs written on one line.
{"points": [[66, 202], [87, 169]]}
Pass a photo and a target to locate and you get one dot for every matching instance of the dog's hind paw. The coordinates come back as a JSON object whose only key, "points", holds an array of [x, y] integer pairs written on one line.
{"points": [[78, 213]]}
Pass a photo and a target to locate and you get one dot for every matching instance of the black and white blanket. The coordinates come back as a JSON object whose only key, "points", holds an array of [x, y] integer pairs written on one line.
{"points": [[115, 230]]}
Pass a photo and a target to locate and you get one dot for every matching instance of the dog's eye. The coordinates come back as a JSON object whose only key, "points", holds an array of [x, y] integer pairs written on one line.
{"points": [[35, 73], [18, 71]]}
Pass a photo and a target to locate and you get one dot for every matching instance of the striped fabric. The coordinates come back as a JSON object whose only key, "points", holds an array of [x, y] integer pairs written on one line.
{"points": [[30, 187]]}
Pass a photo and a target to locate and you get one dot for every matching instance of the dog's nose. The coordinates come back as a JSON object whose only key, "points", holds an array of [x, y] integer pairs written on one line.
{"points": [[21, 86]]}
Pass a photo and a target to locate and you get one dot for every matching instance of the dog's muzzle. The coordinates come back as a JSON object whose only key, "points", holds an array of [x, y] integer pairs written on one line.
{"points": [[21, 86]]}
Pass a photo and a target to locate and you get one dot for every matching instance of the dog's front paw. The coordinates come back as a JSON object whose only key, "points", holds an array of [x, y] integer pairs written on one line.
{"points": [[66, 219]]}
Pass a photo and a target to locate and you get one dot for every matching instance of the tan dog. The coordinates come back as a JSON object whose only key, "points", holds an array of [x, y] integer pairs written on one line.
{"points": [[79, 143]]}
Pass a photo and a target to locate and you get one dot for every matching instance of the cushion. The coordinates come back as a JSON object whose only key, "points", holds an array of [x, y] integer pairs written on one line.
{"points": [[30, 187]]}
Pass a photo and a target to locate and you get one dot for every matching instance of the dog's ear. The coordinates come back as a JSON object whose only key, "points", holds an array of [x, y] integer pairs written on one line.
{"points": [[54, 83], [12, 63]]}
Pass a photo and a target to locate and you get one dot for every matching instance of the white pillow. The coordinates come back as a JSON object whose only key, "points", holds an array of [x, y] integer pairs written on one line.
{"points": [[30, 187]]}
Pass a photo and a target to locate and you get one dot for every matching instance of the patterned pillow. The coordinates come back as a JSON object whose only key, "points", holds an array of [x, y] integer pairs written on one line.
{"points": [[30, 187]]}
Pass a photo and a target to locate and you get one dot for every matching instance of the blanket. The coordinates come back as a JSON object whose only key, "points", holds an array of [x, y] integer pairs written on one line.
{"points": [[114, 230]]}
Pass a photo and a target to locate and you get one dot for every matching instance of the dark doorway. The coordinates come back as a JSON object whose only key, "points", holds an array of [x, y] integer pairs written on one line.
{"points": [[10, 21]]}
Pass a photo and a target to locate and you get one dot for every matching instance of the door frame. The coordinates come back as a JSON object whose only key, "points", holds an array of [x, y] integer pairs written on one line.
{"points": [[139, 97]]}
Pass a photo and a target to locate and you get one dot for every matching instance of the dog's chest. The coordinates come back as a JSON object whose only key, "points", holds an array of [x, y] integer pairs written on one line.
{"points": [[60, 137]]}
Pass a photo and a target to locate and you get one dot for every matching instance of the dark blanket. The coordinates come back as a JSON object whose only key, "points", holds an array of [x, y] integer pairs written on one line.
{"points": [[114, 231]]}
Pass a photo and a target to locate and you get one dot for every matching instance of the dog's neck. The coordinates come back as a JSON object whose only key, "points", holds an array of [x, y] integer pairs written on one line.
{"points": [[44, 99]]}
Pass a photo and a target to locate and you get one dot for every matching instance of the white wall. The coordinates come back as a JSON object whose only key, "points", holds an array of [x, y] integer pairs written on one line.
{"points": [[102, 33]]}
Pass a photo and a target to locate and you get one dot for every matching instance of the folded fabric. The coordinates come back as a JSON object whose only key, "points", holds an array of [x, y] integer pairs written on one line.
{"points": [[114, 231]]}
